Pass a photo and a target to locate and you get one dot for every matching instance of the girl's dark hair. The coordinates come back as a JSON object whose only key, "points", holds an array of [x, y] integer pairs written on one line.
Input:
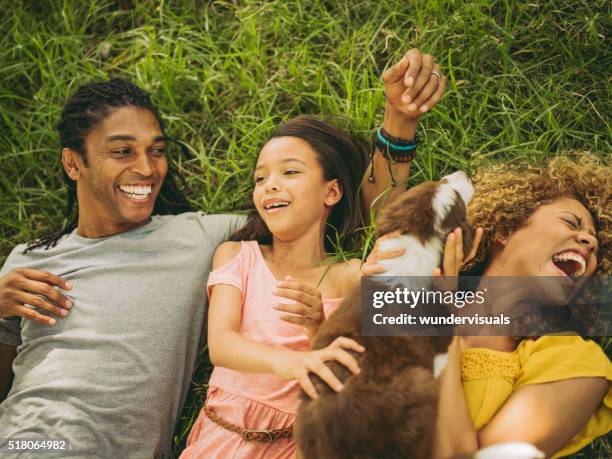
{"points": [[342, 156], [87, 108]]}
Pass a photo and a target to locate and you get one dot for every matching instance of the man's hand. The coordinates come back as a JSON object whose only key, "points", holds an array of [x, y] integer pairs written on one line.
{"points": [[414, 85], [307, 311], [36, 288]]}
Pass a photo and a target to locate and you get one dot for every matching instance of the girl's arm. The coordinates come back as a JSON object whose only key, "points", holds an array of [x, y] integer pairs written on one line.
{"points": [[229, 349], [411, 90]]}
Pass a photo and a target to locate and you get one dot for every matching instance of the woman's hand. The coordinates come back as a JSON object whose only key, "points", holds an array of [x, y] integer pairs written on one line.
{"points": [[36, 288], [371, 267], [411, 86], [446, 279], [307, 310], [297, 365], [453, 253]]}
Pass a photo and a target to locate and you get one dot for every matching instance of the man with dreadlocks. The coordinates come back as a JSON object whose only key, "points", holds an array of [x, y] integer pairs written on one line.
{"points": [[111, 373], [125, 359]]}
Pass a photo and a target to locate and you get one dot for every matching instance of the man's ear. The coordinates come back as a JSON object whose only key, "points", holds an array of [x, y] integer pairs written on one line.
{"points": [[72, 163], [333, 193]]}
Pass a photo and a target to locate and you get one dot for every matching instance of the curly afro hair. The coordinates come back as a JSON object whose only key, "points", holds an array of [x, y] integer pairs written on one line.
{"points": [[507, 194]]}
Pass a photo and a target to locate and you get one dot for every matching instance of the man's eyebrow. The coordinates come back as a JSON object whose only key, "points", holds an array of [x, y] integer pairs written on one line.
{"points": [[123, 137], [286, 160], [131, 138]]}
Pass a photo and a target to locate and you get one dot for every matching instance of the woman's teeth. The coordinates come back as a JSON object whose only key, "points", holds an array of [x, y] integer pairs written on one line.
{"points": [[571, 264], [139, 193]]}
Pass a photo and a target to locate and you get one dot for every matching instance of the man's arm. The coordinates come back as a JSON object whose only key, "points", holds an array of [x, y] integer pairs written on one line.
{"points": [[7, 355], [19, 287], [412, 89]]}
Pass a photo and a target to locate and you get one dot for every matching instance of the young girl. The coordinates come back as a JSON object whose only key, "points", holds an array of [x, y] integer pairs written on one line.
{"points": [[261, 316], [258, 340]]}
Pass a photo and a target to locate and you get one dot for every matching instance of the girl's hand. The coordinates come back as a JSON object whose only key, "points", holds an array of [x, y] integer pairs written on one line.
{"points": [[307, 311], [297, 365], [371, 267], [411, 86]]}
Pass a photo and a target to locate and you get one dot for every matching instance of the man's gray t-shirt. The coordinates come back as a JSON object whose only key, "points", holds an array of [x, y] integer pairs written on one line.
{"points": [[112, 376]]}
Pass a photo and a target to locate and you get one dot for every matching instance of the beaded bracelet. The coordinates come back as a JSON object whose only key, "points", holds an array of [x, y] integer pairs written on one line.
{"points": [[399, 150], [393, 148]]}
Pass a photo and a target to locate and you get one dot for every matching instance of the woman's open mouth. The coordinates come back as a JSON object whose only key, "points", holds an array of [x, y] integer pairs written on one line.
{"points": [[570, 263]]}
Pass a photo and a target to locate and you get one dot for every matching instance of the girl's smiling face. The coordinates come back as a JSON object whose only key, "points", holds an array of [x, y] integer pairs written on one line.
{"points": [[558, 239], [291, 194]]}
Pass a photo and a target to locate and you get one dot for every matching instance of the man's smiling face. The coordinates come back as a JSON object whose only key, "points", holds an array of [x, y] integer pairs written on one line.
{"points": [[126, 166]]}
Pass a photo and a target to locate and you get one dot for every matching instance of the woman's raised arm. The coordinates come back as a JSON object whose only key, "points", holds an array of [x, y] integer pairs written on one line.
{"points": [[413, 86]]}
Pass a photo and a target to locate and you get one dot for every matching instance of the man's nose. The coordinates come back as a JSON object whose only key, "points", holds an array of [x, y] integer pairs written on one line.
{"points": [[143, 164]]}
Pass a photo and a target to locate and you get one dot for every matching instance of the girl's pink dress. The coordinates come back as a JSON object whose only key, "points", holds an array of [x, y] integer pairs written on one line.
{"points": [[251, 400]]}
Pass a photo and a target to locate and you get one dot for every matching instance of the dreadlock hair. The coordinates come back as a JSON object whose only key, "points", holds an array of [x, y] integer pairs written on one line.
{"points": [[88, 107], [342, 156]]}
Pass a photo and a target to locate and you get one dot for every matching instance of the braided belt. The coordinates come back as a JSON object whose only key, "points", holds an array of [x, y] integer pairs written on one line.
{"points": [[254, 435]]}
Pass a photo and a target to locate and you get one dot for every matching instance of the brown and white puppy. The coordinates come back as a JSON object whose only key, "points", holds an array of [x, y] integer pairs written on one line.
{"points": [[389, 409]]}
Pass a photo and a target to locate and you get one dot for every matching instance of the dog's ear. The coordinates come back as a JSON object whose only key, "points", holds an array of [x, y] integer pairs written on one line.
{"points": [[456, 215], [457, 218], [467, 232], [410, 213]]}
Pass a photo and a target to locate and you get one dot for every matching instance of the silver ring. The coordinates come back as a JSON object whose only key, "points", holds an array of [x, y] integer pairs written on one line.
{"points": [[437, 74]]}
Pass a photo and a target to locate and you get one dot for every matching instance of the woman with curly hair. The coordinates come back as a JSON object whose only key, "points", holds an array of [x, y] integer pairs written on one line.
{"points": [[552, 391]]}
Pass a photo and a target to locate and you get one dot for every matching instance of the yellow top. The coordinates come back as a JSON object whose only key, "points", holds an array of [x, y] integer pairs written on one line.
{"points": [[490, 377]]}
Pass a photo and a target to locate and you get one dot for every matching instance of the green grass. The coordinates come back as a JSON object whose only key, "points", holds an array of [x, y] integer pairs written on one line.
{"points": [[526, 80]]}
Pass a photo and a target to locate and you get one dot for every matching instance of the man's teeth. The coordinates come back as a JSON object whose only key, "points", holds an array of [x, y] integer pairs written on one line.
{"points": [[138, 192], [572, 257]]}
